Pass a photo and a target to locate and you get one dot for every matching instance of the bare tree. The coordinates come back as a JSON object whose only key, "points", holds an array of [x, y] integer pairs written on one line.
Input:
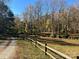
{"points": [[54, 7], [38, 12]]}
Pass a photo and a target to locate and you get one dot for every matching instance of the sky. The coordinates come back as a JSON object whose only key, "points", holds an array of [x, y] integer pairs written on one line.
{"points": [[18, 6]]}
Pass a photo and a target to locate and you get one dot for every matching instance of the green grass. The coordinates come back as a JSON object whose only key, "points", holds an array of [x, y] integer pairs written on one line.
{"points": [[28, 51]]}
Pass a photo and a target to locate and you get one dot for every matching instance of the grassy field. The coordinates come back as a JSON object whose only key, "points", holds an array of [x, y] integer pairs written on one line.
{"points": [[68, 47], [26, 50]]}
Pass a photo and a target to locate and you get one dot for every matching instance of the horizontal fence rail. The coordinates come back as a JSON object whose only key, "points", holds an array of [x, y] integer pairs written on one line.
{"points": [[37, 43]]}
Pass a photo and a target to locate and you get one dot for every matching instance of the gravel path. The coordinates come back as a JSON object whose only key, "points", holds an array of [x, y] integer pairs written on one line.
{"points": [[9, 52]]}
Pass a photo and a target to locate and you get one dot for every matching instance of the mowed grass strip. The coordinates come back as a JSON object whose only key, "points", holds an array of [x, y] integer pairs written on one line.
{"points": [[74, 41], [26, 50]]}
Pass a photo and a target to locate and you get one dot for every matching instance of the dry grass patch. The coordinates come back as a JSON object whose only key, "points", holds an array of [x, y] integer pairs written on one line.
{"points": [[70, 50], [28, 51]]}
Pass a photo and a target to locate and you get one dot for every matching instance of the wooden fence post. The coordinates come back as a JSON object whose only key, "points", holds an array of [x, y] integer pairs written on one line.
{"points": [[77, 57], [45, 48], [36, 42]]}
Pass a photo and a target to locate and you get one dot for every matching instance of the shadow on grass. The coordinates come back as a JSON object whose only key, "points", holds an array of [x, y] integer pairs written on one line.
{"points": [[53, 41], [59, 42]]}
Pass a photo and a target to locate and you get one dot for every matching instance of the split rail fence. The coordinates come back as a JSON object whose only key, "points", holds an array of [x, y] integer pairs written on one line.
{"points": [[54, 54]]}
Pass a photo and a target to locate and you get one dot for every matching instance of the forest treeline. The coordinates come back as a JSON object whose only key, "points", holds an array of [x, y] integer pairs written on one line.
{"points": [[54, 16], [7, 24]]}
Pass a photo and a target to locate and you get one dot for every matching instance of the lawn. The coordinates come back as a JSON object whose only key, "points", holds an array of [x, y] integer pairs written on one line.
{"points": [[26, 50], [68, 47]]}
